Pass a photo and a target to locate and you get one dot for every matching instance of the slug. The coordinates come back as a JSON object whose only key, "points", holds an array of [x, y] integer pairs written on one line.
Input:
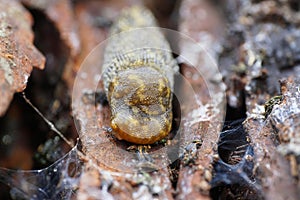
{"points": [[138, 80]]}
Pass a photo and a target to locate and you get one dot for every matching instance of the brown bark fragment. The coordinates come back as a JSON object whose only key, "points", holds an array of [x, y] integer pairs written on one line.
{"points": [[17, 53], [60, 12], [273, 170], [285, 122], [258, 74], [258, 51], [200, 21]]}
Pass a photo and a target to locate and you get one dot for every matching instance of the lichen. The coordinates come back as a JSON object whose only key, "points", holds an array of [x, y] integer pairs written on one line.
{"points": [[6, 66]]}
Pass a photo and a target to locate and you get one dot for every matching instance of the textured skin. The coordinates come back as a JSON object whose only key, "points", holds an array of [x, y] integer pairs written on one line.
{"points": [[138, 77]]}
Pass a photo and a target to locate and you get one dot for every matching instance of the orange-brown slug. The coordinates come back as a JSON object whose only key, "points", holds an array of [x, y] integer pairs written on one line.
{"points": [[138, 77]]}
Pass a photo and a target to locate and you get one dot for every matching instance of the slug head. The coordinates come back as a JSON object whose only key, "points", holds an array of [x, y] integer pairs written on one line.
{"points": [[141, 107]]}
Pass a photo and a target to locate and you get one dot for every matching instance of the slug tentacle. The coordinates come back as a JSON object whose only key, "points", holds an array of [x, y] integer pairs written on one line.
{"points": [[138, 77]]}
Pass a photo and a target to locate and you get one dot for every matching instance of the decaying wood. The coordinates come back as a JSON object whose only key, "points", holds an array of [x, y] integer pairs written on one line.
{"points": [[62, 15], [274, 163], [17, 53], [258, 53], [257, 48], [60, 12], [195, 177]]}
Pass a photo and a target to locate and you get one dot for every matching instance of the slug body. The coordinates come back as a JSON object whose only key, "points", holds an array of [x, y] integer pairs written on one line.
{"points": [[138, 77]]}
